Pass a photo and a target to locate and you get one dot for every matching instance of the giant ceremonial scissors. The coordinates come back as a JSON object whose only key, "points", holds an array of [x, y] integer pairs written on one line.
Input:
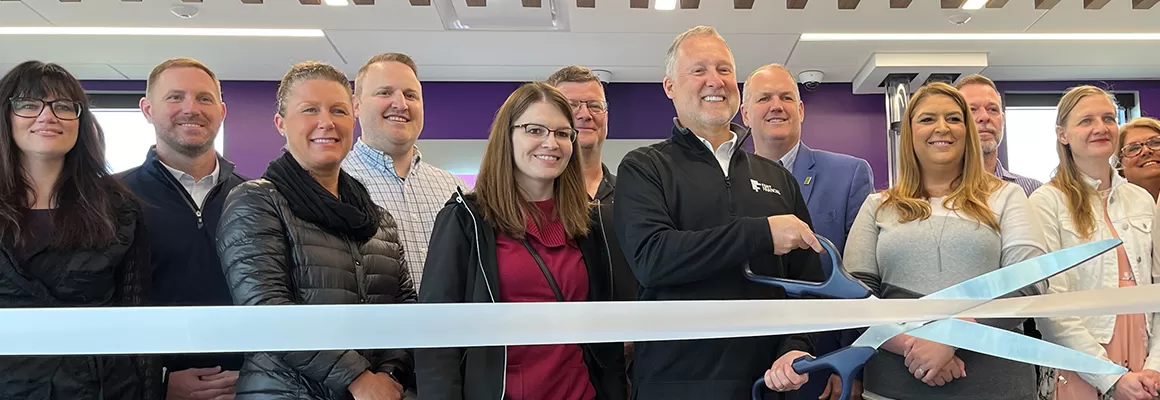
{"points": [[848, 361]]}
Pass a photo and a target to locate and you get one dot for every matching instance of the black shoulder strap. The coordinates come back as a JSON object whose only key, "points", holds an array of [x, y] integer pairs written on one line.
{"points": [[544, 269], [556, 291]]}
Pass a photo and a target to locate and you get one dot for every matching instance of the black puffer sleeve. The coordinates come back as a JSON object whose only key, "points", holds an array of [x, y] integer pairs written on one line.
{"points": [[255, 258], [399, 362]]}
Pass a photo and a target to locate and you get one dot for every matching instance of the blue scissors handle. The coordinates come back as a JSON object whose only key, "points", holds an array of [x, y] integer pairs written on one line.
{"points": [[846, 362], [839, 284]]}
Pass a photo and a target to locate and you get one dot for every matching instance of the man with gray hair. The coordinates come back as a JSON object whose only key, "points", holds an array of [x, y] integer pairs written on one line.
{"points": [[986, 107], [585, 92], [590, 111], [692, 213]]}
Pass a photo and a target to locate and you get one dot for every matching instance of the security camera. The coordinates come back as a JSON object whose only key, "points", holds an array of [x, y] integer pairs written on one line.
{"points": [[604, 75], [811, 78], [185, 12], [959, 18]]}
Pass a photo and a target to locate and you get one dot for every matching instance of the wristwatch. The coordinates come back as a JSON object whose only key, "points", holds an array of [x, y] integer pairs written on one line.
{"points": [[391, 373]]}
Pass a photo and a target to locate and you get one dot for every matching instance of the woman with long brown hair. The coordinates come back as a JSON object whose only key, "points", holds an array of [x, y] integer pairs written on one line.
{"points": [[71, 235], [528, 233], [1087, 201], [945, 221]]}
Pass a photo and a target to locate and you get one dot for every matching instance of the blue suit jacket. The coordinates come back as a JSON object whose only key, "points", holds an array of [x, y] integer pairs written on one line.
{"points": [[834, 187]]}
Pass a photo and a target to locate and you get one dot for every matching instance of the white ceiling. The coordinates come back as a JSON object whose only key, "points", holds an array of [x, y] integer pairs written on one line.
{"points": [[628, 42]]}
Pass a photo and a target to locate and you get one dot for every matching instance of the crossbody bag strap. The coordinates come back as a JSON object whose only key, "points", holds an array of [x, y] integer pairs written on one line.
{"points": [[544, 269], [559, 296]]}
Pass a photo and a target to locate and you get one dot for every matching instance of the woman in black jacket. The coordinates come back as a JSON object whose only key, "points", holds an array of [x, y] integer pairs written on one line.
{"points": [[527, 233], [71, 235], [308, 233]]}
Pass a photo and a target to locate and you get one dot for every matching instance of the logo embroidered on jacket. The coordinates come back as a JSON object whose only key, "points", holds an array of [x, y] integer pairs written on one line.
{"points": [[761, 187]]}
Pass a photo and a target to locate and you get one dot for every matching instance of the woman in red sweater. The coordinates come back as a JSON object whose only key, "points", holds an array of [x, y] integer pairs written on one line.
{"points": [[528, 233]]}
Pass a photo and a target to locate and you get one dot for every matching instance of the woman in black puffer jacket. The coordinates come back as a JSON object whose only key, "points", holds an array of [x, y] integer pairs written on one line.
{"points": [[308, 233], [70, 235]]}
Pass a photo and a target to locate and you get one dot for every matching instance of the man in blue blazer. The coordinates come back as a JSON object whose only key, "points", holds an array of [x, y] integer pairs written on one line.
{"points": [[833, 185]]}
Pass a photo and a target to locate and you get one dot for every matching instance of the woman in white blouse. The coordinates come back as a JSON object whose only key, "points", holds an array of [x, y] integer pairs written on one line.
{"points": [[1086, 201]]}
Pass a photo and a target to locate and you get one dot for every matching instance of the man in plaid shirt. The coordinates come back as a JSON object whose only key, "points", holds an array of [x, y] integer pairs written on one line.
{"points": [[389, 105]]}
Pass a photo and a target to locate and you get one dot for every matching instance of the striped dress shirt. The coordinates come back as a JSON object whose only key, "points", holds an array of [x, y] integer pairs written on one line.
{"points": [[414, 201], [1027, 184]]}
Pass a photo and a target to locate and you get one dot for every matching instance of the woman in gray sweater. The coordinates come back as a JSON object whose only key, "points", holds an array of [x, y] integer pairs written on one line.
{"points": [[945, 221]]}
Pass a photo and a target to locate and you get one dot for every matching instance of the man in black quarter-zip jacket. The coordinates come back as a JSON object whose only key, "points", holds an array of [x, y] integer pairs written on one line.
{"points": [[183, 184], [690, 220]]}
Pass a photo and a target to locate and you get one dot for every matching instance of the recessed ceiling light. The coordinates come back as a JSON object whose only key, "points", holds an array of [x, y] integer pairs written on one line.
{"points": [[974, 4], [665, 4], [337, 2], [130, 31]]}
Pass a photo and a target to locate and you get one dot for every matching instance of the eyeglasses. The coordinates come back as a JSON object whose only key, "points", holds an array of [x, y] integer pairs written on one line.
{"points": [[594, 106], [1134, 149], [28, 107], [540, 132]]}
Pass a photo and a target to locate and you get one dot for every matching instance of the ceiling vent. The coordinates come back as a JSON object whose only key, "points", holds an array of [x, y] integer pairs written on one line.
{"points": [[920, 68], [503, 15]]}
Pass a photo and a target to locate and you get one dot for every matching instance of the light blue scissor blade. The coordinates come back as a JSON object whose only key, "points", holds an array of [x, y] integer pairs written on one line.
{"points": [[1013, 346], [997, 283], [1022, 274]]}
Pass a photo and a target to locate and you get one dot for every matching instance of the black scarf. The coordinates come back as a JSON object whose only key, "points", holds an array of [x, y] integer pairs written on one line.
{"points": [[353, 213]]}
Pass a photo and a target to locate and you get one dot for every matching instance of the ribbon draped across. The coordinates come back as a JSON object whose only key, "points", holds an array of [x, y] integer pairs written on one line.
{"points": [[151, 330]]}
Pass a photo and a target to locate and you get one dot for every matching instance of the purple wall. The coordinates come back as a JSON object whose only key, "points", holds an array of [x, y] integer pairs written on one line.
{"points": [[836, 119]]}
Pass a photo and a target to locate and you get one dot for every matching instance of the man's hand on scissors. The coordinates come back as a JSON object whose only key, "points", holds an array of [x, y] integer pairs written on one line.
{"points": [[781, 376], [925, 359], [790, 233]]}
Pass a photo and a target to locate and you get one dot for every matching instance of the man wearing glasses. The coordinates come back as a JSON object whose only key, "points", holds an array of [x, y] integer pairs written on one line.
{"points": [[590, 112]]}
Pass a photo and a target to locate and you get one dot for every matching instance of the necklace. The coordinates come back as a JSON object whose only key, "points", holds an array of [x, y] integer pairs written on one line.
{"points": [[938, 242]]}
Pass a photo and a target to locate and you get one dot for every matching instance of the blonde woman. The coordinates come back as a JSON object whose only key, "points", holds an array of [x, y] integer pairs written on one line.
{"points": [[307, 232], [1139, 156], [1085, 201], [945, 221]]}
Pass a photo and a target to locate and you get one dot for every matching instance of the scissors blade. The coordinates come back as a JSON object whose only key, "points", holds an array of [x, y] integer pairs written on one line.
{"points": [[1013, 346], [1024, 273], [991, 285], [849, 360]]}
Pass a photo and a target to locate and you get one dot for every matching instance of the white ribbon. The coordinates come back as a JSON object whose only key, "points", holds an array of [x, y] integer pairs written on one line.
{"points": [[150, 330]]}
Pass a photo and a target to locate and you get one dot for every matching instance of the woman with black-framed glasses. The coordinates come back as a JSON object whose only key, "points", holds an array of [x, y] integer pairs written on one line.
{"points": [[70, 234], [1139, 157], [528, 233]]}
